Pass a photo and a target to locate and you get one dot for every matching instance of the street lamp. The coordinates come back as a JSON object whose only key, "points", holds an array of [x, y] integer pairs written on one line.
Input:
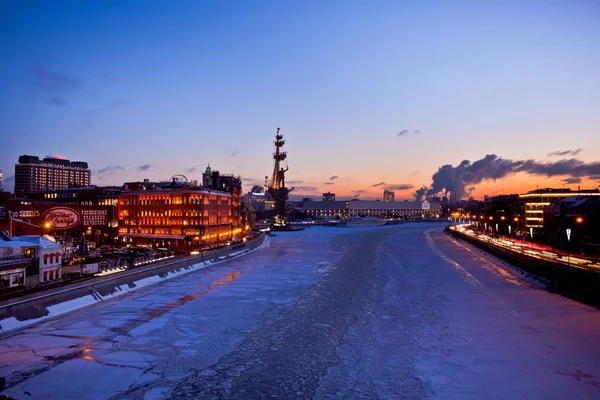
{"points": [[568, 246], [531, 234]]}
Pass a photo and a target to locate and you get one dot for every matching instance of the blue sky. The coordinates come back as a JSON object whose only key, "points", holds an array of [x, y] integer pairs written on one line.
{"points": [[175, 85]]}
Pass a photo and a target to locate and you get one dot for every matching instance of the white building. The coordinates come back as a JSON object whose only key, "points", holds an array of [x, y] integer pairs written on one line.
{"points": [[49, 256]]}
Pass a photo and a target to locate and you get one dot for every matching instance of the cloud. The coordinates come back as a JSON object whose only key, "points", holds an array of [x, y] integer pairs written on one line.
{"points": [[333, 178], [57, 101], [307, 188], [414, 173], [328, 183], [378, 184], [109, 169], [8, 182], [449, 178], [110, 106], [572, 180], [142, 168], [235, 153], [565, 152], [191, 170], [401, 187], [295, 182], [54, 81], [404, 132]]}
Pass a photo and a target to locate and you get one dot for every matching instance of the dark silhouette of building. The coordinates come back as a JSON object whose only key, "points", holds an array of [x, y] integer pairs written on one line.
{"points": [[388, 195], [328, 196]]}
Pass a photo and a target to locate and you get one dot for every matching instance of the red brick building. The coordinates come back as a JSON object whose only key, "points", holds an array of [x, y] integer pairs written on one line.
{"points": [[179, 216]]}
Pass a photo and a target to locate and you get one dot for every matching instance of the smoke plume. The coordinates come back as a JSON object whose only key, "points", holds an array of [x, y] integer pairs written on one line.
{"points": [[449, 178]]}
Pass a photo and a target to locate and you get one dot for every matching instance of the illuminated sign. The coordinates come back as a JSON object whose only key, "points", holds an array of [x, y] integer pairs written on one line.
{"points": [[61, 217]]}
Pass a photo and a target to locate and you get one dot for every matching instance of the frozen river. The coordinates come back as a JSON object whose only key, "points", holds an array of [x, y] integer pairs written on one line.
{"points": [[327, 313]]}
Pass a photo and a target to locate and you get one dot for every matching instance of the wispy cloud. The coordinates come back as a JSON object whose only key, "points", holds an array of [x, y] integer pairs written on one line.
{"points": [[378, 184], [404, 132], [561, 153], [142, 168], [333, 178], [54, 81], [109, 169], [235, 153], [307, 188], [57, 101], [53, 86], [401, 187], [191, 170], [295, 182], [110, 106], [328, 183], [571, 181], [414, 173]]}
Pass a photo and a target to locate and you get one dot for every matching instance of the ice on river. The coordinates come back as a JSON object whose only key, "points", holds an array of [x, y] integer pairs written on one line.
{"points": [[388, 312]]}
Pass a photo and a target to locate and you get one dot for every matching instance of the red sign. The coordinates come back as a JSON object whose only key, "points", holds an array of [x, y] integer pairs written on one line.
{"points": [[61, 217]]}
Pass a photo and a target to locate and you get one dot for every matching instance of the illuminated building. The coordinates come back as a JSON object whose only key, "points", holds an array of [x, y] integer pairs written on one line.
{"points": [[51, 173], [368, 208], [388, 195], [0, 179], [180, 216], [537, 200], [328, 196]]}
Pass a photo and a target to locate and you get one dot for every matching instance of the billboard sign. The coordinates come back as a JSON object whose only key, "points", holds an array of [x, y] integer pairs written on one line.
{"points": [[61, 217]]}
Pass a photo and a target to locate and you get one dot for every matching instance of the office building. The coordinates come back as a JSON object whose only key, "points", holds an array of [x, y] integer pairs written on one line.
{"points": [[0, 179], [537, 200], [52, 173]]}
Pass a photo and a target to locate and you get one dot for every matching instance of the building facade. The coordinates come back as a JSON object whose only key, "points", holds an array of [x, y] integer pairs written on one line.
{"points": [[180, 217], [537, 200], [323, 210], [52, 173]]}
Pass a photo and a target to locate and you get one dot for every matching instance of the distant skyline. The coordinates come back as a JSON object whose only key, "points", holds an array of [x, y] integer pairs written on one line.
{"points": [[368, 95]]}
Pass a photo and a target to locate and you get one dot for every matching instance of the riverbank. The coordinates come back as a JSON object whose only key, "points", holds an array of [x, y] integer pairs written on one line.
{"points": [[27, 310]]}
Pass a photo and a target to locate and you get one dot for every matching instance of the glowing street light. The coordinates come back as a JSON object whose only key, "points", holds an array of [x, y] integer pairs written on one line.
{"points": [[569, 249], [579, 220]]}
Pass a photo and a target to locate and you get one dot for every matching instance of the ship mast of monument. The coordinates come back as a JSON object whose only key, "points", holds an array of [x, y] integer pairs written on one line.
{"points": [[278, 179]]}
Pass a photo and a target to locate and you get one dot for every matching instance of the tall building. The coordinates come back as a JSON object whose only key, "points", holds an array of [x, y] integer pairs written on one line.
{"points": [[0, 179], [388, 195], [52, 173], [328, 196]]}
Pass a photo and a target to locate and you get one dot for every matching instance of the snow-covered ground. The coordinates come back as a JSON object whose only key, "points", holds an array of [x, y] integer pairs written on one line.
{"points": [[388, 312]]}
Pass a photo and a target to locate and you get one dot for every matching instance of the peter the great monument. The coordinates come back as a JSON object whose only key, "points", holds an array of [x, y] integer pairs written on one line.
{"points": [[277, 188]]}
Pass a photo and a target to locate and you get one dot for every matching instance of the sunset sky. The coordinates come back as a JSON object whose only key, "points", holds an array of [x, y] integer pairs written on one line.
{"points": [[369, 95]]}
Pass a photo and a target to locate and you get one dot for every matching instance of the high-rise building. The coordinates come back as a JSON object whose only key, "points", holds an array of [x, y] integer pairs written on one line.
{"points": [[0, 179], [52, 173], [328, 196], [388, 195]]}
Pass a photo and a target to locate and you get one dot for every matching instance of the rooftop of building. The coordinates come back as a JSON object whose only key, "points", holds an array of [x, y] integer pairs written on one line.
{"points": [[52, 160], [560, 192]]}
